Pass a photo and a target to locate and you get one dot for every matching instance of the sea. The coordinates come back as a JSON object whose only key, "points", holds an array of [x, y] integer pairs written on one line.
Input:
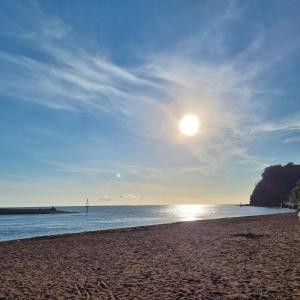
{"points": [[13, 227]]}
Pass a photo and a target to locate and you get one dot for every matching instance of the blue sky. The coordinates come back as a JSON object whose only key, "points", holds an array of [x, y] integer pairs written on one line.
{"points": [[93, 89]]}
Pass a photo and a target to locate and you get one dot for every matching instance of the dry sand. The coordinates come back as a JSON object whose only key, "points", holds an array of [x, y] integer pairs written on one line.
{"points": [[238, 258]]}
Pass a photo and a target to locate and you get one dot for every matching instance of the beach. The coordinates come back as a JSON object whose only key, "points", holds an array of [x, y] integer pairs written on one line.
{"points": [[235, 258]]}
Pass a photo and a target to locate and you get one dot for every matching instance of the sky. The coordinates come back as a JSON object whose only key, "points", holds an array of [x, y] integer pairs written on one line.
{"points": [[92, 92]]}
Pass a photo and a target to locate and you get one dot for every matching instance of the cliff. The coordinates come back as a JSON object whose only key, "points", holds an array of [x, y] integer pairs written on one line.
{"points": [[275, 186]]}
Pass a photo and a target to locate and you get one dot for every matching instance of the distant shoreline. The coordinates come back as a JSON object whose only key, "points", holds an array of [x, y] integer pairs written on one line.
{"points": [[31, 211]]}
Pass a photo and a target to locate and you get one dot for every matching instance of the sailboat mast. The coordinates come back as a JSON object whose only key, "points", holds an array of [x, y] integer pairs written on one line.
{"points": [[87, 206]]}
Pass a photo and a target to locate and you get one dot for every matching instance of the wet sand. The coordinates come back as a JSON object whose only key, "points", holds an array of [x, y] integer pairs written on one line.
{"points": [[237, 258]]}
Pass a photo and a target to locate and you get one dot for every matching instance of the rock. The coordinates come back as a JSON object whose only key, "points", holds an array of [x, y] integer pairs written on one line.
{"points": [[275, 186]]}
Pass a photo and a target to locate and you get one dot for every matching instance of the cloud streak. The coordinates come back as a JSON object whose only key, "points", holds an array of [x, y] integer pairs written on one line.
{"points": [[148, 99]]}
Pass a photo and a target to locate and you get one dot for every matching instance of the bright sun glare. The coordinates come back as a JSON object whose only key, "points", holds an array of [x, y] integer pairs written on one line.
{"points": [[190, 212], [189, 125]]}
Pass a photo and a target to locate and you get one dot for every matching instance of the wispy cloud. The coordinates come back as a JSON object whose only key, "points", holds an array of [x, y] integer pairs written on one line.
{"points": [[148, 99], [76, 79], [294, 139], [287, 124]]}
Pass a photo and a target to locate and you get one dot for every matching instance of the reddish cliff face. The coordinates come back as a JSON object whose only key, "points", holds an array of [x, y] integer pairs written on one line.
{"points": [[275, 186]]}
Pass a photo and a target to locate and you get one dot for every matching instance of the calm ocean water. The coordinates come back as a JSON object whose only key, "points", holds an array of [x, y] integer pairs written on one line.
{"points": [[108, 217]]}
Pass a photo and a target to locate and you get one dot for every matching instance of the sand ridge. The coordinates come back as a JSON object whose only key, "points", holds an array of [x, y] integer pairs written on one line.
{"points": [[238, 258]]}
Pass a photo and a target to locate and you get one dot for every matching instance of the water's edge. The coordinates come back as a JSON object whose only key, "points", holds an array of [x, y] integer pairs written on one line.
{"points": [[16, 227], [133, 228]]}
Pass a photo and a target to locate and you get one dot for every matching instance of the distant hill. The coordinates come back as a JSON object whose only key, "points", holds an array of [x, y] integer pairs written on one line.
{"points": [[276, 185]]}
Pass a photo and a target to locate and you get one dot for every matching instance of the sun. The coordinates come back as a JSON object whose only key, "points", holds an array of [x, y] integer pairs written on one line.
{"points": [[189, 125]]}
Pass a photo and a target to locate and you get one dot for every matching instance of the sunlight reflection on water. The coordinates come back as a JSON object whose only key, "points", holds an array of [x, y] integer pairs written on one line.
{"points": [[190, 212]]}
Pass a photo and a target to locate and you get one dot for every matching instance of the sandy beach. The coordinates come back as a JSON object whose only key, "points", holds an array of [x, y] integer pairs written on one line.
{"points": [[238, 258]]}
